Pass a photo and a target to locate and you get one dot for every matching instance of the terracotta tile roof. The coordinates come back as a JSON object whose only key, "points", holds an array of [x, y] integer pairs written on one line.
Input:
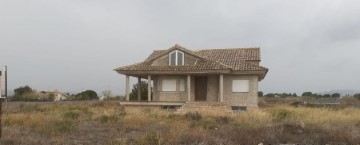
{"points": [[238, 59], [199, 65], [231, 54]]}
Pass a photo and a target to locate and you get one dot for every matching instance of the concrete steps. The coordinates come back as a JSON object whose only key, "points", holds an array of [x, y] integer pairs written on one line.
{"points": [[204, 107]]}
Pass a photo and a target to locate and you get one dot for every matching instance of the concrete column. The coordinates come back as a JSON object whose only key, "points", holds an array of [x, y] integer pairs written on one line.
{"points": [[127, 89], [149, 87], [221, 88], [139, 89], [188, 87]]}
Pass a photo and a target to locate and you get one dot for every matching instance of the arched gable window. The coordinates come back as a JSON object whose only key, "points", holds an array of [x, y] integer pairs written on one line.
{"points": [[176, 58]]}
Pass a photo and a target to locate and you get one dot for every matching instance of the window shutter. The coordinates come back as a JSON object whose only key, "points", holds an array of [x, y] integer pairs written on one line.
{"points": [[240, 86]]}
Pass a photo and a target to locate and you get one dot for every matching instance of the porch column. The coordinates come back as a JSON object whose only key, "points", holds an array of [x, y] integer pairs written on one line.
{"points": [[139, 89], [149, 87], [188, 87], [127, 87], [221, 88]]}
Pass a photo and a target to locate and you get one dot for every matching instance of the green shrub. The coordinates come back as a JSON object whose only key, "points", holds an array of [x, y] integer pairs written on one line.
{"points": [[296, 103], [149, 139], [205, 124], [223, 120], [357, 96], [87, 95], [281, 114], [111, 118], [64, 126], [73, 114], [193, 116]]}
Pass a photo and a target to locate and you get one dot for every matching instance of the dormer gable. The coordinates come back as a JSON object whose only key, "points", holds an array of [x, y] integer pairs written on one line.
{"points": [[176, 58]]}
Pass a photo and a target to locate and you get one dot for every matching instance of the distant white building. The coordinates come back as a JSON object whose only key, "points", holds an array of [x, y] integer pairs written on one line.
{"points": [[57, 95], [102, 98]]}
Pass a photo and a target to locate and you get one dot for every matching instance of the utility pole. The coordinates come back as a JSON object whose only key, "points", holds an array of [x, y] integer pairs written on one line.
{"points": [[1, 100], [6, 83], [1, 96]]}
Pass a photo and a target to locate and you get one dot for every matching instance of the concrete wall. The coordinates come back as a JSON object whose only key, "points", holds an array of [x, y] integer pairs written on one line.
{"points": [[164, 60], [177, 95], [232, 98], [241, 99]]}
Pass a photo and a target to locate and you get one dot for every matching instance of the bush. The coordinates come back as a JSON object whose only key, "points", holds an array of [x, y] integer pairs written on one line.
{"points": [[149, 139], [205, 124], [23, 90], [307, 94], [357, 96], [335, 95], [270, 95], [73, 114], [112, 117], [64, 126], [223, 120], [281, 114], [87, 95], [260, 94], [296, 103], [193, 116]]}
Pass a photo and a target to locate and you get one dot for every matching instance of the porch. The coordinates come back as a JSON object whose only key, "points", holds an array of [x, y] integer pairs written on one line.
{"points": [[179, 107], [167, 88]]}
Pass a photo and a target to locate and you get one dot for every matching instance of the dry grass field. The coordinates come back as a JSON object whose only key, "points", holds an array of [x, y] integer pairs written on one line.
{"points": [[105, 123]]}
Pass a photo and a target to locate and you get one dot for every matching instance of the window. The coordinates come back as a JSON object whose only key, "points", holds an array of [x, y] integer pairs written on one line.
{"points": [[182, 85], [169, 85], [240, 86], [176, 58]]}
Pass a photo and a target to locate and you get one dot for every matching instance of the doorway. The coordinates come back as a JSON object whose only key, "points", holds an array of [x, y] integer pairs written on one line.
{"points": [[200, 88]]}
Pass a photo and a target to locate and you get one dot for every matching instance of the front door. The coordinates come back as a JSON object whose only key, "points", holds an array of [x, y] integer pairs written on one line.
{"points": [[200, 88]]}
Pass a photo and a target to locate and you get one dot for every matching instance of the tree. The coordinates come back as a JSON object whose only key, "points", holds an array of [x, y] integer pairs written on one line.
{"points": [[107, 93], [357, 95], [316, 95], [260, 94], [87, 95], [326, 95], [284, 95], [270, 95], [335, 95], [307, 94], [143, 89], [294, 95], [23, 90]]}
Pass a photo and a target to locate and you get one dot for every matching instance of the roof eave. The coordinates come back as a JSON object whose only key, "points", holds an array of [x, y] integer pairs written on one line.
{"points": [[177, 72]]}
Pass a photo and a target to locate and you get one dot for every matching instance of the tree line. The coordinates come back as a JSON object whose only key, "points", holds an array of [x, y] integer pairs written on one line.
{"points": [[26, 93], [305, 94]]}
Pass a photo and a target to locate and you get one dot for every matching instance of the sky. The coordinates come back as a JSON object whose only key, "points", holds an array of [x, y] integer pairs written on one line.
{"points": [[74, 45]]}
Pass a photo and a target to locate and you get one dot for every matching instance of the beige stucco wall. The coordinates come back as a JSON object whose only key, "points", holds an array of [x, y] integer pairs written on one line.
{"points": [[177, 95], [164, 60], [232, 98], [241, 99]]}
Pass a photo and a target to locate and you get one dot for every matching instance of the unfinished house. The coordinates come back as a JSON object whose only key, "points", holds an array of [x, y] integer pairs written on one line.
{"points": [[207, 77]]}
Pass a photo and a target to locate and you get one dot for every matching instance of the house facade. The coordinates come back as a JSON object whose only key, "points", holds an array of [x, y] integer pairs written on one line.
{"points": [[179, 74]]}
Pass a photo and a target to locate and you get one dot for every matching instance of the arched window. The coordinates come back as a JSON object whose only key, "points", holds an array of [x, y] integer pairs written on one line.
{"points": [[176, 58]]}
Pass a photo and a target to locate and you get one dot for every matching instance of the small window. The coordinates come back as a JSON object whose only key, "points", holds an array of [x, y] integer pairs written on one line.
{"points": [[182, 85], [173, 58], [240, 86], [176, 58], [168, 85]]}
